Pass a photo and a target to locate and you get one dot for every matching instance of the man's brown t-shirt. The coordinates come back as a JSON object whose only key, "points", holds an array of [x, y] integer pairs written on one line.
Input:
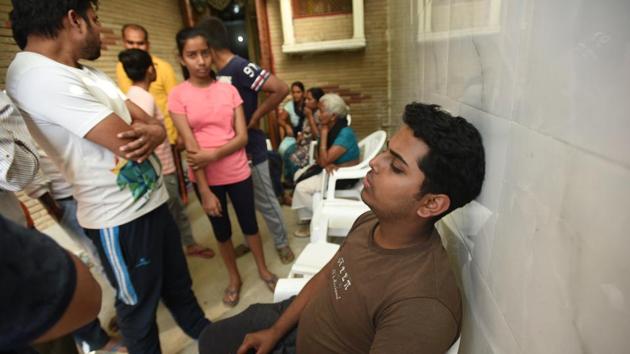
{"points": [[383, 301]]}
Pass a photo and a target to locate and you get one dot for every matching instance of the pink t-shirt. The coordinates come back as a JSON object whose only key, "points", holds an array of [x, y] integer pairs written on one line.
{"points": [[210, 114], [143, 99]]}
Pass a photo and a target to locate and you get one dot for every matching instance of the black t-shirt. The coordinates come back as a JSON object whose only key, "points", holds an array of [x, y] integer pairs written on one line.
{"points": [[38, 279], [248, 78]]}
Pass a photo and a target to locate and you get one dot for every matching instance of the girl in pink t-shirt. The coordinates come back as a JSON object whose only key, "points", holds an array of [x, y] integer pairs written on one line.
{"points": [[209, 116]]}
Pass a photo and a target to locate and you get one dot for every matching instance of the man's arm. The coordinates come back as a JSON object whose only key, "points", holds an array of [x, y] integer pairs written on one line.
{"points": [[135, 142], [276, 90], [66, 101], [38, 272], [83, 308], [264, 341]]}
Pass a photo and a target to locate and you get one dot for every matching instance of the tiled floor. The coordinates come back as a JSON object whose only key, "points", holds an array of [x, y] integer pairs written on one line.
{"points": [[210, 277]]}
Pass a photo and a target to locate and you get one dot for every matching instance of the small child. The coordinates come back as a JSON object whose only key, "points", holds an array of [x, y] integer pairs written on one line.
{"points": [[140, 70]]}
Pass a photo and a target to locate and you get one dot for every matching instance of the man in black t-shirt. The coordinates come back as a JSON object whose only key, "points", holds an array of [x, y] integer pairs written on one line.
{"points": [[249, 79], [46, 293]]}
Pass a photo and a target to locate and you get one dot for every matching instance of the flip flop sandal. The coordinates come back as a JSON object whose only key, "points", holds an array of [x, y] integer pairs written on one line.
{"points": [[271, 282], [202, 252], [232, 294], [241, 250], [285, 254]]}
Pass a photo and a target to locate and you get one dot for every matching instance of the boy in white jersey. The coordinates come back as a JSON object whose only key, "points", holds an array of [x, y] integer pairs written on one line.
{"points": [[103, 145]]}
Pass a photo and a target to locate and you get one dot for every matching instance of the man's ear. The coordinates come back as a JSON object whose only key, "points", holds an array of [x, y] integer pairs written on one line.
{"points": [[432, 205], [74, 20]]}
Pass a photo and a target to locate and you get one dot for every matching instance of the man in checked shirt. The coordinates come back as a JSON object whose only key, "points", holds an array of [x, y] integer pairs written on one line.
{"points": [[19, 162]]}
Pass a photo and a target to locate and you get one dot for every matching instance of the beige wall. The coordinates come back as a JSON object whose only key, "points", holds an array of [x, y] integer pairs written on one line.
{"points": [[360, 76], [162, 18], [311, 29]]}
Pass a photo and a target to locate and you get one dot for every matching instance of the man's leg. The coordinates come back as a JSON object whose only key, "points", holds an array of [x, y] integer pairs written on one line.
{"points": [[275, 172], [71, 225], [224, 337], [177, 291], [267, 204], [176, 207], [303, 196], [62, 345], [131, 255]]}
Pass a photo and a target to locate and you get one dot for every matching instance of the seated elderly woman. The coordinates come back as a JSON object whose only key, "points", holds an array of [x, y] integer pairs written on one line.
{"points": [[337, 148]]}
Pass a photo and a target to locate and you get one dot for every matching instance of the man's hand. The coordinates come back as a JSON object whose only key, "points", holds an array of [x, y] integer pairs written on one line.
{"points": [[146, 138], [200, 158], [263, 341]]}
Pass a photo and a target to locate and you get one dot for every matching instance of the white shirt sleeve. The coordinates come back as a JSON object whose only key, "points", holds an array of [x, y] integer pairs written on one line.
{"points": [[62, 98]]}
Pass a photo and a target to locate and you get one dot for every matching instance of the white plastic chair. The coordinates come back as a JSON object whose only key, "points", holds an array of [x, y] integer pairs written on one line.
{"points": [[334, 218], [370, 146], [287, 287], [312, 259], [334, 211]]}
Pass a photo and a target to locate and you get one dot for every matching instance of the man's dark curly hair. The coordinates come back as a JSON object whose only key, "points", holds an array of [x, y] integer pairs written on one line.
{"points": [[43, 17], [455, 163]]}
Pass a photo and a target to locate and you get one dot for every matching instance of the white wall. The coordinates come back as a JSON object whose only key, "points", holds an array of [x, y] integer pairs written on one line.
{"points": [[548, 86]]}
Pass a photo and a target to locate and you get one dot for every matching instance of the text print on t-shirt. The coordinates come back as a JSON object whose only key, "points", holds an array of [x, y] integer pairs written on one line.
{"points": [[250, 70], [340, 278]]}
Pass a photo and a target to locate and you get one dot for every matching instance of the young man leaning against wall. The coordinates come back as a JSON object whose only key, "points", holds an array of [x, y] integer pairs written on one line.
{"points": [[389, 288]]}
